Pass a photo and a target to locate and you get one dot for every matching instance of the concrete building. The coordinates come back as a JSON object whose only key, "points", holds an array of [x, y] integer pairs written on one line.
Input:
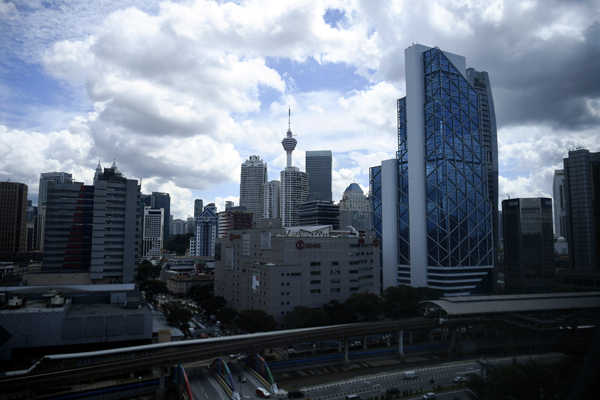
{"points": [[318, 168], [163, 200], [355, 209], [234, 218], [318, 212], [13, 219], [94, 229], [271, 203], [433, 209], [45, 178], [581, 188], [152, 240], [179, 227], [253, 178], [207, 225], [41, 320], [528, 245], [275, 270], [181, 284]]}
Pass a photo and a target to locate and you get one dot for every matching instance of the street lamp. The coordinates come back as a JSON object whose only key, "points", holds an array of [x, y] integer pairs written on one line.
{"points": [[140, 380]]}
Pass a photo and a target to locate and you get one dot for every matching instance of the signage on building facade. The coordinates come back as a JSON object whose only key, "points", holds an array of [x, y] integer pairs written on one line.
{"points": [[232, 236], [300, 245]]}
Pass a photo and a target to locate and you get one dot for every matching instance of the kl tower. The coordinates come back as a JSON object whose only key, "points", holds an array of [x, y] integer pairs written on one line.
{"points": [[294, 183], [288, 142]]}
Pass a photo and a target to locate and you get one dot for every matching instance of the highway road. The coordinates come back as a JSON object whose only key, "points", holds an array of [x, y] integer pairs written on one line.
{"points": [[363, 383]]}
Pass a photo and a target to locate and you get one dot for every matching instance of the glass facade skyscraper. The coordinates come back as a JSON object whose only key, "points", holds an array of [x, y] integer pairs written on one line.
{"points": [[253, 178], [441, 234], [318, 168]]}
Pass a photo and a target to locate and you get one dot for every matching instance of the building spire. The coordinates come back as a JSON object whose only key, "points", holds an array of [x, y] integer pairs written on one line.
{"points": [[289, 143]]}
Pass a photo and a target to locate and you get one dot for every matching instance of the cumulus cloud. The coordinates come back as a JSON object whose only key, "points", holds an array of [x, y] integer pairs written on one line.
{"points": [[180, 93]]}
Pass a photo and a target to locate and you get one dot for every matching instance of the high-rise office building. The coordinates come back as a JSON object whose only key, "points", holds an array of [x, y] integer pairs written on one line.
{"points": [[253, 178], [163, 200], [433, 203], [198, 207], [94, 228], [318, 212], [560, 208], [45, 178], [234, 218], [207, 225], [355, 209], [271, 202], [318, 168], [528, 245], [294, 183], [13, 218], [152, 240], [582, 188]]}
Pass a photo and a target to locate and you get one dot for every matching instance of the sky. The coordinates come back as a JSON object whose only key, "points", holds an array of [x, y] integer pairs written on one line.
{"points": [[181, 93]]}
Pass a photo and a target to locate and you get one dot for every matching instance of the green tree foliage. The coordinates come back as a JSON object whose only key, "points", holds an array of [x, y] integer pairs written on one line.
{"points": [[212, 305], [226, 315], [338, 313], [255, 321], [201, 293], [153, 287], [365, 306], [178, 244], [177, 314], [146, 270], [304, 317]]}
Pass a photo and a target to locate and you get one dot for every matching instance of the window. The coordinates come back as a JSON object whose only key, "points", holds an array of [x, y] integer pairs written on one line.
{"points": [[335, 272], [335, 263], [335, 290], [315, 282], [315, 263], [315, 272], [315, 290], [335, 281]]}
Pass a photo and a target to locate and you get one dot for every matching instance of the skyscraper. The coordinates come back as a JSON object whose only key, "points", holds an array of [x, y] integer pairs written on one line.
{"points": [[294, 183], [207, 224], [163, 200], [253, 178], [271, 203], [198, 206], [355, 209], [582, 181], [318, 168], [440, 217], [528, 245], [94, 228], [152, 240], [45, 179], [560, 208], [13, 218]]}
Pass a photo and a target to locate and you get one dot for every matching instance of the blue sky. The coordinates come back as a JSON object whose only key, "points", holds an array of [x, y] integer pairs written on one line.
{"points": [[181, 93]]}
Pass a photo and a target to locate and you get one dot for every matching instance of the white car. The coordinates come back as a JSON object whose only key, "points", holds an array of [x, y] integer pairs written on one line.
{"points": [[458, 379], [429, 396], [262, 392]]}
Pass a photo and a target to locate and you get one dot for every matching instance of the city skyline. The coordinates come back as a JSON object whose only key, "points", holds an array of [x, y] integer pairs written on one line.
{"points": [[182, 94]]}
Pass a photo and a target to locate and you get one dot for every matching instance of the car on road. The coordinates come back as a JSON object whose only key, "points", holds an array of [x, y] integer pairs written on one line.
{"points": [[295, 394], [458, 379], [262, 392], [429, 396], [410, 375], [242, 378]]}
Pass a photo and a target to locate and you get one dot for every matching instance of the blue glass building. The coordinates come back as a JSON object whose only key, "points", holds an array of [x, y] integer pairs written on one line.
{"points": [[441, 235]]}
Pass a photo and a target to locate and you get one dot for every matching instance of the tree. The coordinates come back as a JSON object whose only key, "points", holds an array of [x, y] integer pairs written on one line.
{"points": [[365, 306], [178, 244], [147, 270], [255, 321], [212, 305], [304, 317], [177, 315], [401, 302], [338, 313], [226, 315], [154, 287], [201, 292]]}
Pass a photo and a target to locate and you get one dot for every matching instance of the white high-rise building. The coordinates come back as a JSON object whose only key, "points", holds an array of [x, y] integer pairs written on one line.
{"points": [[294, 183], [271, 203], [355, 209], [152, 241], [253, 178]]}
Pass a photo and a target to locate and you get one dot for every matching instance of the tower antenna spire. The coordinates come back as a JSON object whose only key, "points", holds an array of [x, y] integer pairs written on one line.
{"points": [[289, 118]]}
